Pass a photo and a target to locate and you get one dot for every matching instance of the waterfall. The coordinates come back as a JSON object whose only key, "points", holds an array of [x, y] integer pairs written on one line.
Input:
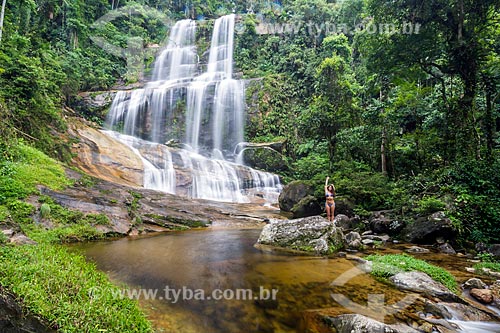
{"points": [[210, 128]]}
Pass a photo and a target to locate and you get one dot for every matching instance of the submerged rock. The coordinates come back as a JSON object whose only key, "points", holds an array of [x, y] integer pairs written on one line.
{"points": [[310, 234], [416, 249], [357, 323]]}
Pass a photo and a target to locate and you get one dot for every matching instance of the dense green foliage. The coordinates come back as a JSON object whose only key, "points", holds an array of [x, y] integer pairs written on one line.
{"points": [[68, 292], [385, 266], [403, 113]]}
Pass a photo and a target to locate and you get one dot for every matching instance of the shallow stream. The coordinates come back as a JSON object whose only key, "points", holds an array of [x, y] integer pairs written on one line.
{"points": [[215, 280]]}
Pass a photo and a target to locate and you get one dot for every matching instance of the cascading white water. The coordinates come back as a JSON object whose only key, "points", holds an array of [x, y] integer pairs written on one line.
{"points": [[214, 121], [178, 60], [215, 100], [159, 172]]}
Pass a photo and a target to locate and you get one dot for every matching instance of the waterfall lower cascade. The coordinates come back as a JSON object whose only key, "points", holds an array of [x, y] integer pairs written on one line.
{"points": [[202, 113]]}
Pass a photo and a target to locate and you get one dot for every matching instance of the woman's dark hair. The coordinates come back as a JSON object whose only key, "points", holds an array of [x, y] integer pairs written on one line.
{"points": [[331, 188]]}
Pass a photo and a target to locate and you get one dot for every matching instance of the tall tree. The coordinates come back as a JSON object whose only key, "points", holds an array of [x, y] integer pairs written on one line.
{"points": [[2, 15]]}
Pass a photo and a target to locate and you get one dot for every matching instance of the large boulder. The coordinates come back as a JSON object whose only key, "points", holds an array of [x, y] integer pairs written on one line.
{"points": [[482, 295], [426, 230], [353, 240], [311, 234], [381, 222], [293, 193], [344, 206], [494, 249], [344, 222], [308, 206], [474, 283], [264, 157]]}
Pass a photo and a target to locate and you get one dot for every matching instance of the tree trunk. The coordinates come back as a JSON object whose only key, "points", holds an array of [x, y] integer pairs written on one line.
{"points": [[488, 121], [2, 14], [383, 157], [464, 120]]}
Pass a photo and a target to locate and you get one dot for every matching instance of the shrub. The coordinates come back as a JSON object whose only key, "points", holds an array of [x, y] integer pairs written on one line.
{"points": [[429, 205], [45, 210]]}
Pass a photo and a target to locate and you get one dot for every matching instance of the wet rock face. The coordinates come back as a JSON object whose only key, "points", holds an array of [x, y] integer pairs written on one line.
{"points": [[483, 295], [93, 104], [101, 156], [133, 210], [13, 320], [312, 234]]}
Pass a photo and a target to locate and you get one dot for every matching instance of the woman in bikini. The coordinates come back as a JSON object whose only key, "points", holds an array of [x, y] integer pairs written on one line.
{"points": [[330, 201]]}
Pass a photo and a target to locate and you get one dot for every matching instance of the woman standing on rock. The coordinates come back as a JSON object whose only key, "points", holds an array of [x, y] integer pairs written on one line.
{"points": [[330, 201]]}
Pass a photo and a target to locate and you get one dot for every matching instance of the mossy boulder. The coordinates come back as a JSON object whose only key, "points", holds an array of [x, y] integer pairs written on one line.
{"points": [[308, 206], [344, 206], [93, 105], [425, 230], [311, 234], [293, 193]]}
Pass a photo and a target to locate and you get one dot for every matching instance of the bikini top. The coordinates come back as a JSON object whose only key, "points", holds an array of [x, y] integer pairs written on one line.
{"points": [[329, 195]]}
